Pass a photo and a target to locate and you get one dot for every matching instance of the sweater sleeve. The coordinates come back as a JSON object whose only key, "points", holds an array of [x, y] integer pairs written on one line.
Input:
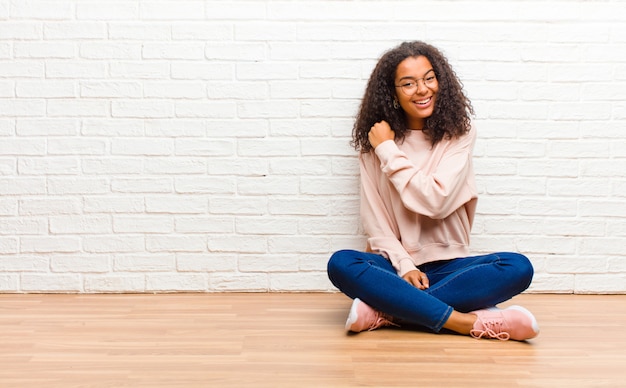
{"points": [[439, 193], [379, 225]]}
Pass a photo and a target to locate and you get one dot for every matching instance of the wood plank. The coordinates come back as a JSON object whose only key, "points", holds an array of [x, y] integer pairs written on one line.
{"points": [[288, 340]]}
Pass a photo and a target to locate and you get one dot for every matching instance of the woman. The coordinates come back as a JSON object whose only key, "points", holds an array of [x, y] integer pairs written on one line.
{"points": [[418, 199]]}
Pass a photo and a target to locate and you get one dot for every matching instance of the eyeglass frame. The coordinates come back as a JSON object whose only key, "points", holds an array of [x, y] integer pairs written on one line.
{"points": [[416, 81]]}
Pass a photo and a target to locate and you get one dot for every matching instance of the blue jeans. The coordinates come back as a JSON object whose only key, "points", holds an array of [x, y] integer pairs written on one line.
{"points": [[463, 284]]}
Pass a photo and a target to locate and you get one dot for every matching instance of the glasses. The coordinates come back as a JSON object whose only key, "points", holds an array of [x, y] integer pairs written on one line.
{"points": [[409, 87]]}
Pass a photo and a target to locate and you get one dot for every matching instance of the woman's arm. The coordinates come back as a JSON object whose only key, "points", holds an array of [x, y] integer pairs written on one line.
{"points": [[379, 224], [439, 193]]}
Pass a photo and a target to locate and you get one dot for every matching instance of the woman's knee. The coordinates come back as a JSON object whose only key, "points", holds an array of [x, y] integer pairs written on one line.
{"points": [[337, 267], [523, 267], [339, 260]]}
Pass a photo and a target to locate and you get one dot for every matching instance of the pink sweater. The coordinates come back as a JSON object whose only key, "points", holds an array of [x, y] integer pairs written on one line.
{"points": [[418, 201]]}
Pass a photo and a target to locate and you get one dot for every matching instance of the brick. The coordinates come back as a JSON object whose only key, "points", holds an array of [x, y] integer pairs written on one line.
{"points": [[299, 206], [49, 244], [206, 262], [77, 108], [176, 282], [107, 166], [243, 52], [176, 243], [143, 224], [9, 282], [178, 165], [71, 224], [268, 147], [44, 50], [202, 31], [265, 31], [74, 70], [110, 50], [51, 283], [239, 166], [553, 283], [151, 147], [24, 263], [109, 10], [237, 243], [113, 204], [22, 186], [250, 205], [249, 282], [204, 109], [22, 108], [37, 9], [300, 281], [267, 185], [83, 263], [239, 91], [245, 10], [179, 204], [266, 225], [8, 245], [179, 50], [115, 283], [267, 71], [46, 127], [113, 244], [205, 147], [49, 89], [204, 224], [329, 185], [303, 244], [76, 146], [139, 70], [223, 185], [80, 186], [49, 206], [267, 263], [173, 128], [142, 185], [292, 166], [21, 30], [23, 226], [23, 146], [8, 207], [600, 284], [144, 263], [202, 70], [142, 109], [74, 30], [110, 89]]}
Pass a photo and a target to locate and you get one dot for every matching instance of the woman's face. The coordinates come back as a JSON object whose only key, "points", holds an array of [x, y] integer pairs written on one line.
{"points": [[416, 89]]}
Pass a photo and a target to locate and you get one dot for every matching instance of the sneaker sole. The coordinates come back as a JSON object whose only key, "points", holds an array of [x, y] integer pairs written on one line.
{"points": [[353, 315], [530, 315]]}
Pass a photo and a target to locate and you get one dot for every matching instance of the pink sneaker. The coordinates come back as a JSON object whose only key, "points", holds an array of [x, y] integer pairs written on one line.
{"points": [[363, 317], [514, 322]]}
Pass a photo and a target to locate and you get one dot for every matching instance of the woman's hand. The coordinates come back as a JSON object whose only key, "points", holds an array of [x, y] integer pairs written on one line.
{"points": [[417, 278], [380, 132]]}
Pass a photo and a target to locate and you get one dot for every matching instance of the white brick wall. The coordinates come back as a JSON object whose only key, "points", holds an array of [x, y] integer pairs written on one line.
{"points": [[159, 146]]}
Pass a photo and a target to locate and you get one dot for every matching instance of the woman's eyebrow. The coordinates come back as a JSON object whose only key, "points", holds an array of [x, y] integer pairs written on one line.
{"points": [[411, 77]]}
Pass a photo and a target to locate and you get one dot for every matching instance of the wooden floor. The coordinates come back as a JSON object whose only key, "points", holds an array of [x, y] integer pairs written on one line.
{"points": [[293, 340]]}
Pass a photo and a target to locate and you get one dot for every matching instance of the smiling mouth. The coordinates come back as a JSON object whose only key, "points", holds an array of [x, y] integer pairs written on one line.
{"points": [[423, 102]]}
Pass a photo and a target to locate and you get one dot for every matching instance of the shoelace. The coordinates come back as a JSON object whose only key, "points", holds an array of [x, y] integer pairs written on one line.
{"points": [[492, 329], [381, 320]]}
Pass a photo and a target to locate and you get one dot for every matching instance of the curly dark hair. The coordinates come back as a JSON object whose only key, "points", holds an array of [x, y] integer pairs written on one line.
{"points": [[451, 114]]}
